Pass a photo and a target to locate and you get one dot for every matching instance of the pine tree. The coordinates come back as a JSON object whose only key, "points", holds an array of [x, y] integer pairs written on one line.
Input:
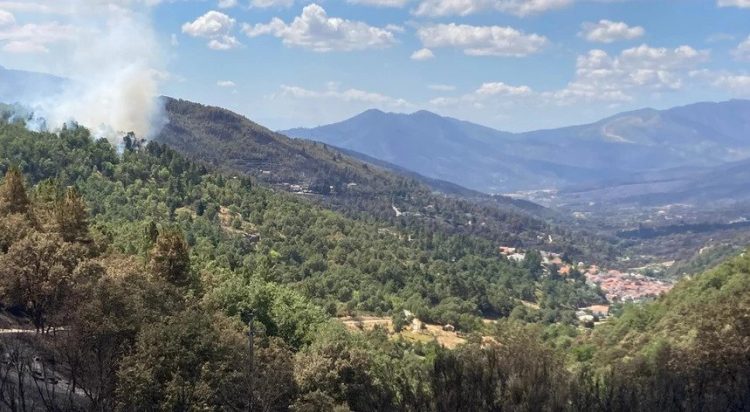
{"points": [[13, 197], [170, 258], [71, 217]]}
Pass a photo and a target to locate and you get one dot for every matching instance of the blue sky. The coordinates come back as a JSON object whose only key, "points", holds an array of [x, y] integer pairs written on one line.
{"points": [[510, 64]]}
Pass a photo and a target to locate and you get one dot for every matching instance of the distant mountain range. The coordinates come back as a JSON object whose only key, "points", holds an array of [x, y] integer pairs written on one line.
{"points": [[632, 146]]}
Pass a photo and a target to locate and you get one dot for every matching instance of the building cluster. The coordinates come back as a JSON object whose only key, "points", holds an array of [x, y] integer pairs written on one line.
{"points": [[626, 287]]}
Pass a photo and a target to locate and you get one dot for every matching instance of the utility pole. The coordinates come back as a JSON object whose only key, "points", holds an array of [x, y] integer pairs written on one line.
{"points": [[251, 362]]}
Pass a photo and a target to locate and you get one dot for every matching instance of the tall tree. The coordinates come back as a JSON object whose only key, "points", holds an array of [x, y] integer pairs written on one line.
{"points": [[13, 198], [38, 273], [170, 257], [71, 217]]}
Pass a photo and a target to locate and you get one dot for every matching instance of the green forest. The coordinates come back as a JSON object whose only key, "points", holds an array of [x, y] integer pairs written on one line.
{"points": [[140, 271]]}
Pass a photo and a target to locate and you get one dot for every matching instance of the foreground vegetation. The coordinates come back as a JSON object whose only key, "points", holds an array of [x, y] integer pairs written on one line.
{"points": [[154, 266]]}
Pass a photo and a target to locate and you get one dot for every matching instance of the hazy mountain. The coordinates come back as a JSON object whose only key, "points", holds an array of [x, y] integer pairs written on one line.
{"points": [[443, 148], [18, 86], [617, 148]]}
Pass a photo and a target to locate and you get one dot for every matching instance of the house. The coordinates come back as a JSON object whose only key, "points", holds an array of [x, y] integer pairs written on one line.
{"points": [[417, 325], [449, 328], [600, 311]]}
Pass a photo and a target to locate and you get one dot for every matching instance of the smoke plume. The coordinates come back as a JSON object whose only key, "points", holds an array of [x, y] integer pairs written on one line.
{"points": [[113, 64]]}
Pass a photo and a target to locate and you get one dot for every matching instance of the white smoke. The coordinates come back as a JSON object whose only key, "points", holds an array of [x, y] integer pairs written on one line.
{"points": [[114, 63]]}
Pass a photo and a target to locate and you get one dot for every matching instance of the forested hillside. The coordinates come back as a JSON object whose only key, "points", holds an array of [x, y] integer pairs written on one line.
{"points": [[235, 145], [141, 270], [145, 257]]}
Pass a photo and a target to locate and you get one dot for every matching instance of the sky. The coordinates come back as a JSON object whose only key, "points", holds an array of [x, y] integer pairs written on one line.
{"points": [[514, 65]]}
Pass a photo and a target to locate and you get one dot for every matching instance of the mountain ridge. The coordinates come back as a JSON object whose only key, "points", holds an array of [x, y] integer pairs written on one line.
{"points": [[616, 148]]}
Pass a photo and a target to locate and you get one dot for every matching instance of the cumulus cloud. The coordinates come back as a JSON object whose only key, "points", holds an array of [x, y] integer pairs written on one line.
{"points": [[502, 89], [264, 4], [441, 87], [490, 94], [22, 47], [736, 84], [226, 4], [607, 31], [381, 3], [226, 83], [35, 37], [215, 26], [742, 51], [315, 30], [601, 77], [743, 4], [422, 54], [481, 40], [72, 7], [437, 8]]}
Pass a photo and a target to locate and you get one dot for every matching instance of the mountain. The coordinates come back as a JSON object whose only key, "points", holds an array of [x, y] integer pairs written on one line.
{"points": [[357, 185], [18, 86], [615, 149], [442, 148]]}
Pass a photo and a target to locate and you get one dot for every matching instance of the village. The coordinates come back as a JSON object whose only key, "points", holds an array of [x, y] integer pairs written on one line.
{"points": [[618, 287]]}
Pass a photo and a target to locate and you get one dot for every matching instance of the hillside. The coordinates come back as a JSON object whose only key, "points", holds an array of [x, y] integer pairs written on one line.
{"points": [[149, 267], [619, 148], [321, 173]]}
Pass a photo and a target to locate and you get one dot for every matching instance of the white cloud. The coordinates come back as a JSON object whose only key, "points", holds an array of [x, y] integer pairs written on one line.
{"points": [[482, 40], [381, 3], [35, 38], [226, 83], [21, 46], [422, 54], [742, 51], [6, 18], [736, 84], [226, 4], [502, 89], [600, 77], [441, 87], [347, 96], [607, 31], [224, 43], [215, 26], [72, 7], [743, 4], [211, 24], [436, 8], [490, 94], [314, 30], [264, 4]]}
